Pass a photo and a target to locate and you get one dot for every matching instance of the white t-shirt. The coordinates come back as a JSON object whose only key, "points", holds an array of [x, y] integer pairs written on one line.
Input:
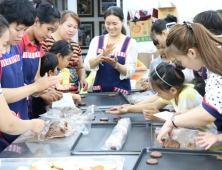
{"points": [[131, 56]]}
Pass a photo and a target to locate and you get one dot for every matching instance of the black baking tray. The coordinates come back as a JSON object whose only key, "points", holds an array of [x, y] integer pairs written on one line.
{"points": [[134, 117], [137, 139], [102, 100], [173, 159]]}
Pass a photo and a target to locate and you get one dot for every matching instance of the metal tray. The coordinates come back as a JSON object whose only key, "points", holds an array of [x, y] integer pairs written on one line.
{"points": [[174, 159], [102, 100], [136, 90], [137, 139], [12, 164], [134, 117]]}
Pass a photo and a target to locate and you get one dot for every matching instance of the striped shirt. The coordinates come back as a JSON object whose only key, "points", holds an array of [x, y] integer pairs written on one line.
{"points": [[74, 62]]}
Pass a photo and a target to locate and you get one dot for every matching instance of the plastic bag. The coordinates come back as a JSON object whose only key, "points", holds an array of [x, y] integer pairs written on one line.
{"points": [[61, 122], [138, 97], [118, 135], [61, 113], [184, 136]]}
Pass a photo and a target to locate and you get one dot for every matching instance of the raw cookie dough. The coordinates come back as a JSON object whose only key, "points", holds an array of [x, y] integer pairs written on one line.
{"points": [[155, 154], [152, 161], [104, 119], [170, 143], [117, 118], [112, 95], [81, 104]]}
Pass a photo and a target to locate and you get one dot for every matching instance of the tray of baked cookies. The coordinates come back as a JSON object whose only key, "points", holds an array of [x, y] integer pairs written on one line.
{"points": [[174, 159], [65, 163]]}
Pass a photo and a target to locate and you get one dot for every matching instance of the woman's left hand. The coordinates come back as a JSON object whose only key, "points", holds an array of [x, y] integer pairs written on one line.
{"points": [[83, 84], [206, 139], [111, 61]]}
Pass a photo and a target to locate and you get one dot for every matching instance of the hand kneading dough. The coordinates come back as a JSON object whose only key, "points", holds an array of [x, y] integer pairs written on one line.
{"points": [[22, 168], [110, 167]]}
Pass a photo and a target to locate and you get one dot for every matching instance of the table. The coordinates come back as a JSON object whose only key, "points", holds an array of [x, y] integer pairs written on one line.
{"points": [[60, 147]]}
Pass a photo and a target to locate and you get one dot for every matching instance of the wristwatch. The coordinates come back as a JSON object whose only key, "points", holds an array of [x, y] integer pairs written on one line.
{"points": [[172, 119], [117, 66]]}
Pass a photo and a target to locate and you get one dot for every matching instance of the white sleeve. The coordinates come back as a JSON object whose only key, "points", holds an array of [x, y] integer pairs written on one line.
{"points": [[131, 59], [91, 54]]}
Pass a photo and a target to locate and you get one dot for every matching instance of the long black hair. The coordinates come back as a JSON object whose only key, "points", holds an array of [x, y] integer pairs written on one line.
{"points": [[47, 13], [62, 46], [160, 24], [211, 20], [173, 77], [117, 11], [48, 62], [20, 11], [4, 25]]}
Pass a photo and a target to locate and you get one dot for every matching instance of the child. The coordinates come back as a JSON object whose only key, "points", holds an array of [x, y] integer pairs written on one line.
{"points": [[50, 65], [63, 50], [154, 63], [168, 81]]}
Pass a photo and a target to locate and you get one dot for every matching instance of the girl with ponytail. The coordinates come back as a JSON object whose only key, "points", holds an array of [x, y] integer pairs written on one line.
{"points": [[194, 46]]}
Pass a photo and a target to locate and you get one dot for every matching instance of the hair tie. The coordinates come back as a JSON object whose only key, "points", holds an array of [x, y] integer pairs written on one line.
{"points": [[188, 24], [174, 65]]}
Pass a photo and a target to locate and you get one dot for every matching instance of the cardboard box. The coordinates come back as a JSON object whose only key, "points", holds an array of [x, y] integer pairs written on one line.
{"points": [[140, 30], [164, 10]]}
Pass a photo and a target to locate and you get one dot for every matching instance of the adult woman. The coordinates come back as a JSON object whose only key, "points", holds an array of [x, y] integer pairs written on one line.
{"points": [[68, 26], [186, 45], [113, 72]]}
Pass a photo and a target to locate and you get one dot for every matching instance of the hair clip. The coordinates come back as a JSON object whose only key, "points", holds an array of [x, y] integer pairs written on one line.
{"points": [[174, 65], [188, 24]]}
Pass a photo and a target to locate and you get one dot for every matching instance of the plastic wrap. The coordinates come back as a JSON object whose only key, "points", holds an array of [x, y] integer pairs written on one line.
{"points": [[118, 135], [61, 113], [61, 122], [184, 136], [138, 97]]}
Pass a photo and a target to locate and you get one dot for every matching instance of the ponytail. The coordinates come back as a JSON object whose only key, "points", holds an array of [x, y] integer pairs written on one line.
{"points": [[182, 37]]}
